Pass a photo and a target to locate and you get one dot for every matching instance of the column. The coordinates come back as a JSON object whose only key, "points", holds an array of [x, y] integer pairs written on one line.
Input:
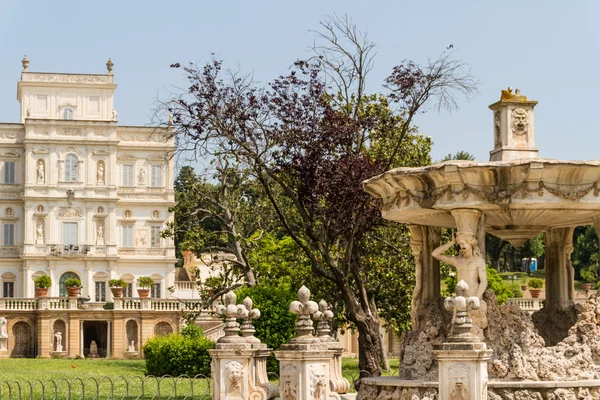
{"points": [[43, 335], [50, 268], [118, 328], [463, 358], [304, 363], [75, 332], [88, 284], [27, 281], [557, 242]]}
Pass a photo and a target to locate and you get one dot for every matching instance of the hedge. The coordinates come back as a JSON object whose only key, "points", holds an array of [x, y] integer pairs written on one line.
{"points": [[179, 354]]}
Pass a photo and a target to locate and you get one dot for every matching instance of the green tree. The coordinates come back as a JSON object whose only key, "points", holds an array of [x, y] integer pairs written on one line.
{"points": [[311, 139], [460, 155]]}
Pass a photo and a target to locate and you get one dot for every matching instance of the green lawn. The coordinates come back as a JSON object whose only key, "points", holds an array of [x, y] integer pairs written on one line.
{"points": [[101, 379], [97, 376]]}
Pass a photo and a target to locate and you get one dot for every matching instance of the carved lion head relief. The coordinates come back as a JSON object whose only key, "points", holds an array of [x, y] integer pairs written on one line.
{"points": [[520, 121]]}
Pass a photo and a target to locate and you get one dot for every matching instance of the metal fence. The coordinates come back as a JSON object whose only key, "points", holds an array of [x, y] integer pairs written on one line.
{"points": [[111, 388]]}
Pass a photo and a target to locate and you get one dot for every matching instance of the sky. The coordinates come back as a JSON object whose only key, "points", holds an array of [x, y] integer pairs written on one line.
{"points": [[547, 49]]}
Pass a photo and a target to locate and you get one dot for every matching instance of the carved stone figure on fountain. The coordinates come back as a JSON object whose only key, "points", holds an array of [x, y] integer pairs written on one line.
{"points": [[234, 380]]}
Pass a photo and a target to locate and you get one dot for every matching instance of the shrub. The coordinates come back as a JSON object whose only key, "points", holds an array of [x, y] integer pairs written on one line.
{"points": [[43, 282], [516, 290], [178, 355], [192, 331], [495, 282], [145, 282], [536, 283], [276, 324], [588, 275], [117, 283], [73, 282]]}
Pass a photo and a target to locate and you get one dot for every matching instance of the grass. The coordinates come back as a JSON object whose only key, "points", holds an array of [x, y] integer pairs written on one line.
{"points": [[97, 375], [101, 379]]}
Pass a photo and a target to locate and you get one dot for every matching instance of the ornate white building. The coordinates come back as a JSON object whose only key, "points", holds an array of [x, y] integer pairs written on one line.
{"points": [[81, 196]]}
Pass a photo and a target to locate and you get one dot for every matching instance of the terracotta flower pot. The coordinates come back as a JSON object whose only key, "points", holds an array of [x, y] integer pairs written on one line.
{"points": [[523, 287], [586, 286], [116, 291], [143, 293], [72, 291], [535, 293], [41, 292]]}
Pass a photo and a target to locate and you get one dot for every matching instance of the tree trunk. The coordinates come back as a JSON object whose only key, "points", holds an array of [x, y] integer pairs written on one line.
{"points": [[369, 347]]}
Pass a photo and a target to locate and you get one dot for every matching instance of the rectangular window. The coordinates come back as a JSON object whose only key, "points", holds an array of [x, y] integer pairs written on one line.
{"points": [[8, 289], [128, 291], [127, 236], [155, 291], [127, 175], [156, 176], [155, 236], [9, 172], [100, 291], [9, 234], [70, 236]]}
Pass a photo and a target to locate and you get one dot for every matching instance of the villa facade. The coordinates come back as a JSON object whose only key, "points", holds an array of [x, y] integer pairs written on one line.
{"points": [[81, 196]]}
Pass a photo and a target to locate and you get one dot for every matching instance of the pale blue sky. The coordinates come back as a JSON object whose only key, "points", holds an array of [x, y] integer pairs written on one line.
{"points": [[548, 49]]}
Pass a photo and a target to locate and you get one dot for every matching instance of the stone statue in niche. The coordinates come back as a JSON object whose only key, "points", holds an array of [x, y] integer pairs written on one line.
{"points": [[3, 334], [142, 176], [3, 331], [233, 371], [520, 122], [100, 232], [58, 337], [155, 214], [100, 173], [131, 347], [40, 208], [39, 233], [94, 349], [100, 210], [497, 134], [41, 172], [318, 382]]}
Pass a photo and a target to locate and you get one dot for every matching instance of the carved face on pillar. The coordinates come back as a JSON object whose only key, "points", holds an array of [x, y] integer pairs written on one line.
{"points": [[234, 374], [520, 122], [318, 382]]}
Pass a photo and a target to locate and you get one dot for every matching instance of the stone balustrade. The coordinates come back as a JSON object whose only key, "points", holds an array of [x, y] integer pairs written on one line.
{"points": [[70, 303]]}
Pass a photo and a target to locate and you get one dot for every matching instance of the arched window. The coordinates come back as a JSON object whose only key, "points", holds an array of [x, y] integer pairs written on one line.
{"points": [[71, 168], [67, 113], [63, 278]]}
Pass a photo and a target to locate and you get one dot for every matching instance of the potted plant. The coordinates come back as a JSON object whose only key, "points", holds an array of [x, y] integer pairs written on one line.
{"points": [[524, 284], [42, 283], [589, 277], [194, 272], [73, 285], [535, 287], [117, 286], [144, 284]]}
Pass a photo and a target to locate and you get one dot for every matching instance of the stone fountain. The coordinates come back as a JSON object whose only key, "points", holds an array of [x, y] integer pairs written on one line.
{"points": [[515, 196]]}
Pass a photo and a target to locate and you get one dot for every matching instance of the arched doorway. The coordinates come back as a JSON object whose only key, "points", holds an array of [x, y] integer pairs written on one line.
{"points": [[63, 278], [96, 331], [22, 335]]}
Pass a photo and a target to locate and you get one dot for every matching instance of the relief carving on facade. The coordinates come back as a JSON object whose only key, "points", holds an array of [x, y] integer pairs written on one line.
{"points": [[41, 131], [497, 132], [64, 78], [69, 132], [70, 212], [10, 135], [144, 196]]}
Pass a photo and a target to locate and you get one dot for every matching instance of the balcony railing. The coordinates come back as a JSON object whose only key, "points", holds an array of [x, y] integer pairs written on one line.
{"points": [[74, 303]]}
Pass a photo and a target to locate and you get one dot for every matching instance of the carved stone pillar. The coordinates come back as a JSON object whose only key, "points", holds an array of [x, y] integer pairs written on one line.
{"points": [[233, 367], [423, 240], [304, 363], [557, 242]]}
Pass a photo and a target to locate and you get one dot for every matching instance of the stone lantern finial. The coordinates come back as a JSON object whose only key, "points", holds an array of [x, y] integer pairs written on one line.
{"points": [[304, 308], [25, 63], [324, 317], [247, 327], [231, 312], [461, 323], [109, 66]]}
